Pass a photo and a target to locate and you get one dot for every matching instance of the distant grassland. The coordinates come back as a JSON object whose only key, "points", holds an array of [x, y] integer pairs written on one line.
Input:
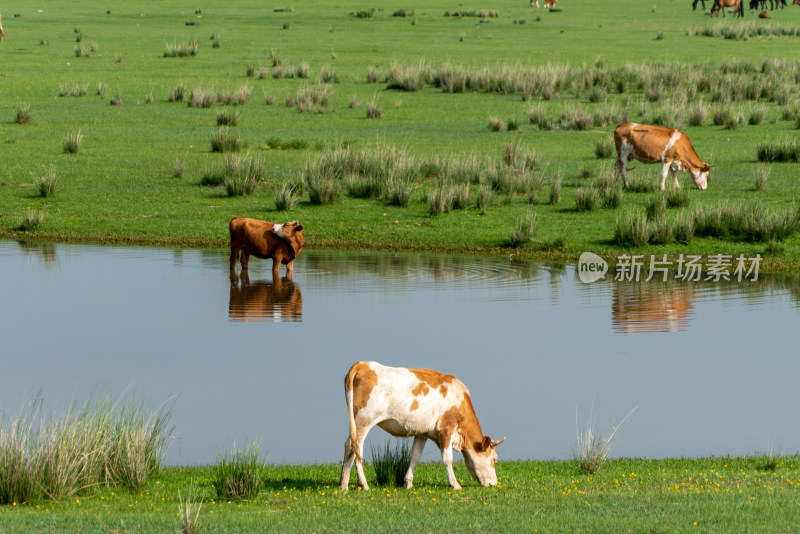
{"points": [[554, 83]]}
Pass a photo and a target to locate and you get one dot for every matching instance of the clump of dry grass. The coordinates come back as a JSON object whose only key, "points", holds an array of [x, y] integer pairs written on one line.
{"points": [[594, 448]]}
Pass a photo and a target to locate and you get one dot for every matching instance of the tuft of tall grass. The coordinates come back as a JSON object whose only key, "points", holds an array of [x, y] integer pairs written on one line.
{"points": [[227, 117], [116, 100], [656, 207], [189, 510], [440, 200], [31, 221], [594, 448], [242, 173], [779, 151], [641, 184], [322, 188], [176, 95], [178, 168], [50, 457], [698, 114], [586, 199], [684, 228], [604, 148], [525, 230], [326, 75], [773, 458], [224, 140], [555, 189], [391, 463], [677, 197], [398, 189], [374, 108], [47, 182], [632, 229], [761, 176], [22, 114], [663, 231], [181, 49], [496, 124], [237, 474], [201, 98], [484, 198], [286, 196], [73, 142]]}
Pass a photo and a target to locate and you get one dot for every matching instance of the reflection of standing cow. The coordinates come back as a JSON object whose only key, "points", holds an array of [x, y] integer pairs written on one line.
{"points": [[649, 307], [278, 301]]}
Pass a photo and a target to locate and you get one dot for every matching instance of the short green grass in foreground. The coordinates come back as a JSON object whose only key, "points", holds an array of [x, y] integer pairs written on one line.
{"points": [[626, 495]]}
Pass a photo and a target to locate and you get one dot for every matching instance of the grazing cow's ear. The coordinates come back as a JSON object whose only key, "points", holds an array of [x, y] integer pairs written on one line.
{"points": [[478, 446], [298, 229], [487, 442]]}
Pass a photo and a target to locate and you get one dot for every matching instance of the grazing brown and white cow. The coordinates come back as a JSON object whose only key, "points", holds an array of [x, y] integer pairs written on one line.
{"points": [[262, 239], [657, 144], [415, 402]]}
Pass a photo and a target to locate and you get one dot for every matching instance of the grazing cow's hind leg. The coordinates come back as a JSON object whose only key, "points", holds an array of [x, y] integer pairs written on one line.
{"points": [[347, 464], [416, 454], [675, 178]]}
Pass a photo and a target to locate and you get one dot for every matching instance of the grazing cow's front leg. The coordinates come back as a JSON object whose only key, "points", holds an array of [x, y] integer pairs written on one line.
{"points": [[416, 454], [447, 458], [664, 172]]}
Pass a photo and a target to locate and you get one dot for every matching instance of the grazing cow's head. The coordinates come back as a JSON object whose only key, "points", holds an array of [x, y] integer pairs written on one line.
{"points": [[480, 459], [700, 176], [290, 231]]}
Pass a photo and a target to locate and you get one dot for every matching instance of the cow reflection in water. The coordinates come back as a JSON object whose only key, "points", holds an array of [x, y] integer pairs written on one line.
{"points": [[651, 307], [279, 300]]}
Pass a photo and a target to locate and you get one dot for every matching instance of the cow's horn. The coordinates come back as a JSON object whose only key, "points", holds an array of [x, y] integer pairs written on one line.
{"points": [[496, 442]]}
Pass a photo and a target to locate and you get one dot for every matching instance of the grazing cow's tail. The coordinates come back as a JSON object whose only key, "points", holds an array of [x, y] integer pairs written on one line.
{"points": [[348, 393]]}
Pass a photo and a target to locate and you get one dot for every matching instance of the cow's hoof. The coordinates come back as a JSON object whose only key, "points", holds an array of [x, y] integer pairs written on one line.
{"points": [[408, 485], [456, 487]]}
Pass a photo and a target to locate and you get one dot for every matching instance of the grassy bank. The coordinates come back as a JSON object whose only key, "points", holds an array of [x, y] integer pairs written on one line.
{"points": [[680, 495], [112, 118]]}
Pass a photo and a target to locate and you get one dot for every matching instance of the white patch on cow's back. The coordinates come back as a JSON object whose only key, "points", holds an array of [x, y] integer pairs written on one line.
{"points": [[278, 230], [672, 140]]}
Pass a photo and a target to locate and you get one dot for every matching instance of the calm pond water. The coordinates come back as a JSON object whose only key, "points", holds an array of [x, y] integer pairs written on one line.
{"points": [[712, 367]]}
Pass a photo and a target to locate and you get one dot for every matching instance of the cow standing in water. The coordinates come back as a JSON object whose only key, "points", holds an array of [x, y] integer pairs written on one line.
{"points": [[657, 144], [415, 402], [262, 239]]}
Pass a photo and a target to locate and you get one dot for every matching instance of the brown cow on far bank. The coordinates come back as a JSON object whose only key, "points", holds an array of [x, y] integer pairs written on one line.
{"points": [[262, 239]]}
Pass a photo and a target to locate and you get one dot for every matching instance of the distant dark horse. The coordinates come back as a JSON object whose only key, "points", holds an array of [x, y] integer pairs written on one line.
{"points": [[773, 4], [720, 5]]}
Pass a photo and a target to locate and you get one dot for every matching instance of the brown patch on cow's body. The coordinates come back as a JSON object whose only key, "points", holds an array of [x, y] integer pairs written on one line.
{"points": [[414, 405], [443, 390], [364, 381], [420, 389], [434, 379]]}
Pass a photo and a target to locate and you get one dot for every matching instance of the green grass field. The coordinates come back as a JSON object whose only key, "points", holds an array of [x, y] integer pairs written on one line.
{"points": [[119, 186], [702, 495]]}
